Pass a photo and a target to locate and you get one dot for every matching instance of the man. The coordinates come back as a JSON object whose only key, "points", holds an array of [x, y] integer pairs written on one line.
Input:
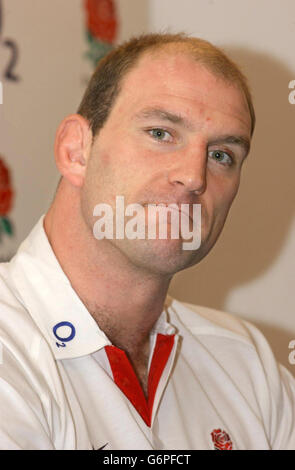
{"points": [[95, 355]]}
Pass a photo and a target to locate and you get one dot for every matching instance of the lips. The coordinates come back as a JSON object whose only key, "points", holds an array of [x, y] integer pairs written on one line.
{"points": [[183, 208]]}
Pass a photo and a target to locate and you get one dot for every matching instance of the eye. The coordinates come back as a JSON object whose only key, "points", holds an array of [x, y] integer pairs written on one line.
{"points": [[222, 157], [160, 134]]}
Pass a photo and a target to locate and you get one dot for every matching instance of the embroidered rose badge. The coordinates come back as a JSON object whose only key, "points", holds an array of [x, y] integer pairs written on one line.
{"points": [[221, 440]]}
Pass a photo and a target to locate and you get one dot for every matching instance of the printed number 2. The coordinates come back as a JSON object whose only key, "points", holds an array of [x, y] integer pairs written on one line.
{"points": [[9, 73]]}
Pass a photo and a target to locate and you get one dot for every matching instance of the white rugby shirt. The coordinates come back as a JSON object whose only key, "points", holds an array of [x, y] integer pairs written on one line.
{"points": [[213, 381]]}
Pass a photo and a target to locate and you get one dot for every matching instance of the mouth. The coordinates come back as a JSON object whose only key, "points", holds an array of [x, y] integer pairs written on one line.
{"points": [[182, 209]]}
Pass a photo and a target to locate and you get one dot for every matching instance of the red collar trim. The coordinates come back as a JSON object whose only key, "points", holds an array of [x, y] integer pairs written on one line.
{"points": [[126, 379]]}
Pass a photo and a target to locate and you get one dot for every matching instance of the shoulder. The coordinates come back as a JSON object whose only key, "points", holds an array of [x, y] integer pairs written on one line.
{"points": [[230, 340], [16, 324], [26, 361], [31, 393], [201, 320]]}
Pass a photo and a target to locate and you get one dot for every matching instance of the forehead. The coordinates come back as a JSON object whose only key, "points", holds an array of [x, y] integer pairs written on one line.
{"points": [[176, 80]]}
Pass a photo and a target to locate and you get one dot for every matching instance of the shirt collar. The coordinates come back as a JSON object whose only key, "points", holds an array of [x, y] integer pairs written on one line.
{"points": [[46, 292]]}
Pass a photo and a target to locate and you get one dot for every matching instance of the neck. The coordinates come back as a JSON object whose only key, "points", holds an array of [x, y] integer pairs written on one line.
{"points": [[124, 299]]}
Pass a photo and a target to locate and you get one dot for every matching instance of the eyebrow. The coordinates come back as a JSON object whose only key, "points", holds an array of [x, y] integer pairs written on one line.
{"points": [[160, 113], [163, 114], [232, 139]]}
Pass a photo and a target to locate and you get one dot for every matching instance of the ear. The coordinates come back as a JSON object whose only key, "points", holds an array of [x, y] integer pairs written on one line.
{"points": [[72, 148]]}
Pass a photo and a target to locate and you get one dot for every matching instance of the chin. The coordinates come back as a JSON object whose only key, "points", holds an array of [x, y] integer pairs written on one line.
{"points": [[163, 257]]}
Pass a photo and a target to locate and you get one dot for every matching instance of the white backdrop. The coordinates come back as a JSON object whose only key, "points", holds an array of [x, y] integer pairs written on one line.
{"points": [[250, 272]]}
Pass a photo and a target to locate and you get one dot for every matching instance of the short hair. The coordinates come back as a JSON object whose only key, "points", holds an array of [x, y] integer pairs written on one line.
{"points": [[106, 80]]}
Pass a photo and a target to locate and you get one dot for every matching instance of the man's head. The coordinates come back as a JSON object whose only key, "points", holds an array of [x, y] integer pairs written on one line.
{"points": [[163, 121]]}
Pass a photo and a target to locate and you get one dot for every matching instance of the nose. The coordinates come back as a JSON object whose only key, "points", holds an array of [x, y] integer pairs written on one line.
{"points": [[190, 170]]}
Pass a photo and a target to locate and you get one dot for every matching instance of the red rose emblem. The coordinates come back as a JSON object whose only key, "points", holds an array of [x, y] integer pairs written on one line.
{"points": [[221, 440], [101, 19], [6, 193]]}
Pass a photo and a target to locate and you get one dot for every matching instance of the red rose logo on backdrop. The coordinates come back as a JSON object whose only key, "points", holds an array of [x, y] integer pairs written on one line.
{"points": [[6, 198], [101, 22], [101, 19], [221, 440]]}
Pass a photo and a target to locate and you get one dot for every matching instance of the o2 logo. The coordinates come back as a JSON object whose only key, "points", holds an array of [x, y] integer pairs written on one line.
{"points": [[9, 73], [62, 334]]}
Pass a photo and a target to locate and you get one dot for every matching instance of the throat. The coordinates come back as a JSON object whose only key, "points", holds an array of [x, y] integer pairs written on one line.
{"points": [[140, 366], [129, 336]]}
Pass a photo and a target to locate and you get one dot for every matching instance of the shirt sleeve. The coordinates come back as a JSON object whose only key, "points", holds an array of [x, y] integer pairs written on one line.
{"points": [[278, 402], [23, 421]]}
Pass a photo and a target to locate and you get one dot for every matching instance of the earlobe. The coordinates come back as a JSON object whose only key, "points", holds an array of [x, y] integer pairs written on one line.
{"points": [[72, 148]]}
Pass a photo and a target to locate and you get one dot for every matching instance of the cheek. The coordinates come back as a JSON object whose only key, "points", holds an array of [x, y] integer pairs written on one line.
{"points": [[223, 194], [230, 194], [104, 160], [114, 173]]}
